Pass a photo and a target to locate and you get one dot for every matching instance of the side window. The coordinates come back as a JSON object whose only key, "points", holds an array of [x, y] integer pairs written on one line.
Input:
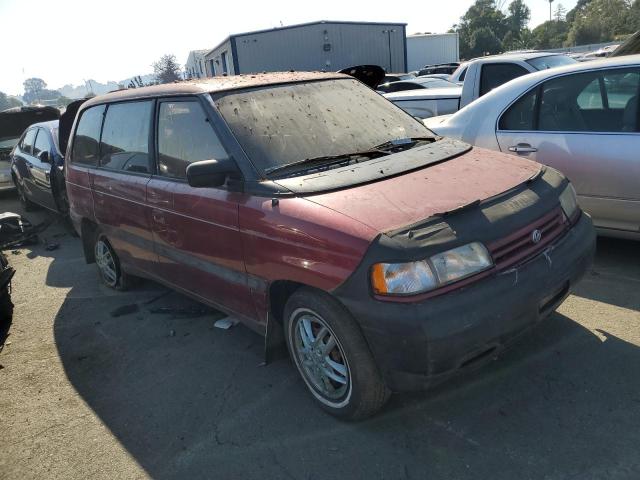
{"points": [[601, 101], [28, 141], [521, 115], [86, 141], [462, 75], [495, 74], [125, 137], [42, 143], [185, 136]]}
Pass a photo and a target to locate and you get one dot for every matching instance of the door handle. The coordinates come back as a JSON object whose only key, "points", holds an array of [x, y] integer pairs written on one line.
{"points": [[523, 148]]}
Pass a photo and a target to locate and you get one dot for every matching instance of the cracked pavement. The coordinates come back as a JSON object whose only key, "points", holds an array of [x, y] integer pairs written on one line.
{"points": [[104, 384]]}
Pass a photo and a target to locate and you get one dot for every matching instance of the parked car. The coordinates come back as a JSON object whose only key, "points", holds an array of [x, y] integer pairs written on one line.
{"points": [[396, 77], [415, 84], [446, 68], [13, 123], [314, 211], [37, 168], [478, 77], [581, 119]]}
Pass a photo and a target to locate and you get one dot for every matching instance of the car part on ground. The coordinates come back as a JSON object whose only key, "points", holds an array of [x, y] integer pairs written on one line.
{"points": [[17, 230], [6, 307]]}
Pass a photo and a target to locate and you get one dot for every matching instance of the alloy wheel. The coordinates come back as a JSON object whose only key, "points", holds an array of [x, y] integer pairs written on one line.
{"points": [[106, 263], [319, 356]]}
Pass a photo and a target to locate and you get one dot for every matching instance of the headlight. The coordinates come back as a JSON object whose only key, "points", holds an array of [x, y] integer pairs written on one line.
{"points": [[424, 275], [569, 202]]}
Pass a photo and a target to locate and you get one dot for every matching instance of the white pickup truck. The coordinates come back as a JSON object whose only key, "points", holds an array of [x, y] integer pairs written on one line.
{"points": [[475, 78]]}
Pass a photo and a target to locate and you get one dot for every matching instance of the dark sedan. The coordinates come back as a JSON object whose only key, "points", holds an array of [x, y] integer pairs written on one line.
{"points": [[37, 168]]}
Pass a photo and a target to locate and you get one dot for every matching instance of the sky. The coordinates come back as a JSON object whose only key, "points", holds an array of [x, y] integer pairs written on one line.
{"points": [[68, 41]]}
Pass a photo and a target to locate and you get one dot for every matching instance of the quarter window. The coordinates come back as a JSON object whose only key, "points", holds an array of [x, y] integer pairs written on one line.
{"points": [[521, 115], [185, 136], [125, 137], [495, 74], [86, 141]]}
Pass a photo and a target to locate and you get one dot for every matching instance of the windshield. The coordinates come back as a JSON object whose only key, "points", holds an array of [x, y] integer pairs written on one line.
{"points": [[283, 124], [543, 63], [436, 83]]}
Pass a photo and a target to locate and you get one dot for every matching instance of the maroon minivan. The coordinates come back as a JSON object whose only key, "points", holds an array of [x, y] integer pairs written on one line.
{"points": [[321, 215]]}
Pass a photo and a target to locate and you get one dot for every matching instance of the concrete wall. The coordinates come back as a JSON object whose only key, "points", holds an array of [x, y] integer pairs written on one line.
{"points": [[431, 49]]}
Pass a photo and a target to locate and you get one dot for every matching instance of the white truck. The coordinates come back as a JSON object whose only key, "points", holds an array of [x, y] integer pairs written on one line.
{"points": [[475, 77]]}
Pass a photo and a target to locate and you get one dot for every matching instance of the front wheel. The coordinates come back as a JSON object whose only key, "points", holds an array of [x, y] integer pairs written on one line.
{"points": [[332, 356]]}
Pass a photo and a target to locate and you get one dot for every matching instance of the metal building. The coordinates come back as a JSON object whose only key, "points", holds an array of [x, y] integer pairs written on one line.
{"points": [[432, 48], [323, 45]]}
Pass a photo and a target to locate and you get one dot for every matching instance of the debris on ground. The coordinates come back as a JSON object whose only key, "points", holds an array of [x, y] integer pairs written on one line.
{"points": [[191, 311], [226, 323], [16, 230], [52, 246]]}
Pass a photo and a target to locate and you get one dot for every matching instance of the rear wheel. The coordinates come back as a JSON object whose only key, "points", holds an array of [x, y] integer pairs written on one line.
{"points": [[109, 265], [332, 356]]}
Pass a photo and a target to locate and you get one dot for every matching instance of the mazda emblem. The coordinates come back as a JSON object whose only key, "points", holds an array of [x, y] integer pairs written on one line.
{"points": [[536, 236]]}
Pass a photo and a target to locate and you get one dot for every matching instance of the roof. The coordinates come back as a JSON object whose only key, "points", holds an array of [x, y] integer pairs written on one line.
{"points": [[213, 84], [515, 56], [298, 25], [50, 125]]}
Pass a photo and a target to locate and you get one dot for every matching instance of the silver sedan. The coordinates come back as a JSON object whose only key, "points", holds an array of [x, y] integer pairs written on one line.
{"points": [[582, 119]]}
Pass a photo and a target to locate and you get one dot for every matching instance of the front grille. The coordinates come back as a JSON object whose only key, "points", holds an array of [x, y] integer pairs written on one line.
{"points": [[520, 245]]}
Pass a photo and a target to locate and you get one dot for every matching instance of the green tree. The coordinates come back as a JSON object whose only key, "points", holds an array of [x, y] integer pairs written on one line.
{"points": [[481, 29], [167, 69], [33, 88], [550, 34], [8, 102], [519, 15], [601, 21], [559, 13]]}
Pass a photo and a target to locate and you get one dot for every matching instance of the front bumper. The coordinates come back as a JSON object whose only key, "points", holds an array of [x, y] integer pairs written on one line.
{"points": [[419, 344]]}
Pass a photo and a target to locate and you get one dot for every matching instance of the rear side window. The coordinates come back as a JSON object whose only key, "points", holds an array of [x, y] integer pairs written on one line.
{"points": [[42, 143], [185, 136], [521, 115], [125, 137], [86, 141], [28, 141], [495, 74]]}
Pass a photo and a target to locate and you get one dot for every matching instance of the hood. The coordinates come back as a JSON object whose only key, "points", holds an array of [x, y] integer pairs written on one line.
{"points": [[425, 94], [406, 199], [66, 123], [370, 75], [16, 120]]}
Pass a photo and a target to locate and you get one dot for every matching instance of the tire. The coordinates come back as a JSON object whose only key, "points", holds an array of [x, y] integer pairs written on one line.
{"points": [[108, 264], [332, 356], [27, 205]]}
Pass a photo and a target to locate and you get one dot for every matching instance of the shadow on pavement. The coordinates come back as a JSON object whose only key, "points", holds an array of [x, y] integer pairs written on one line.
{"points": [[188, 400], [615, 275]]}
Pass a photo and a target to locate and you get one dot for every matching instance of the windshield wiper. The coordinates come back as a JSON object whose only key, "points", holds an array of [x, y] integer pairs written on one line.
{"points": [[325, 160], [403, 142]]}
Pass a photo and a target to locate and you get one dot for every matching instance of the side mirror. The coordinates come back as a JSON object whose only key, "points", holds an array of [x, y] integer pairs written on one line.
{"points": [[44, 157], [210, 173]]}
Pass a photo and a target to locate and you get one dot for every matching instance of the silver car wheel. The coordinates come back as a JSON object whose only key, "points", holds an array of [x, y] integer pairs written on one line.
{"points": [[106, 263], [320, 358]]}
